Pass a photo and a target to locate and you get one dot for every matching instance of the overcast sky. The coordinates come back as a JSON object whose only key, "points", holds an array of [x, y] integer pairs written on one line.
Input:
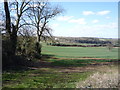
{"points": [[87, 19]]}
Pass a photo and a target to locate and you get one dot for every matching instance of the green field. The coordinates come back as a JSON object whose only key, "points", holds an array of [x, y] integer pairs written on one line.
{"points": [[78, 52], [65, 68], [42, 78]]}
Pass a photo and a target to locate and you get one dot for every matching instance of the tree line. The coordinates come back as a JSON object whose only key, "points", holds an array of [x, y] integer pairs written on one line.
{"points": [[93, 42]]}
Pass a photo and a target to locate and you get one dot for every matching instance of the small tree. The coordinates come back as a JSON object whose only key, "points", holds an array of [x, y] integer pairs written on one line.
{"points": [[110, 46]]}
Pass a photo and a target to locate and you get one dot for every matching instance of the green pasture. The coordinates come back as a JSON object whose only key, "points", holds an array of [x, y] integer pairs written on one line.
{"points": [[60, 59], [78, 52]]}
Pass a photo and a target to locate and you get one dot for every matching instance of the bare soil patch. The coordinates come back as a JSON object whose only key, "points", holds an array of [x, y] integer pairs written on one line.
{"points": [[82, 58]]}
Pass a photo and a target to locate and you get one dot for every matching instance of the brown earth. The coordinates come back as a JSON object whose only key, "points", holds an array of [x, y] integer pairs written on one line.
{"points": [[90, 67], [82, 58]]}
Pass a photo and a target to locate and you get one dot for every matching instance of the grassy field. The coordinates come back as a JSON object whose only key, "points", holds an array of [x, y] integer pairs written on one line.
{"points": [[77, 52], [42, 78], [66, 68]]}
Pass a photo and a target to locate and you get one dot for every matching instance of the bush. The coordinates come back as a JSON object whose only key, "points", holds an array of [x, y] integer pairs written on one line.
{"points": [[27, 48], [6, 52]]}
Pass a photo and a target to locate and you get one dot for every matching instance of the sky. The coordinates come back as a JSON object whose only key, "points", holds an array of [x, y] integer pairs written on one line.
{"points": [[86, 19]]}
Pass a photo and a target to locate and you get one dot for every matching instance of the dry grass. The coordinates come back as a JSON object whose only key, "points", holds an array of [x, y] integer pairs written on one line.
{"points": [[105, 77]]}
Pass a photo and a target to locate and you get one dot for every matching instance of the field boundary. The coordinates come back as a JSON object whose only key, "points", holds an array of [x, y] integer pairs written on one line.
{"points": [[81, 58]]}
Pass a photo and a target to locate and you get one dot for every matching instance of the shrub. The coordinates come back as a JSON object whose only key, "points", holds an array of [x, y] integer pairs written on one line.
{"points": [[27, 48]]}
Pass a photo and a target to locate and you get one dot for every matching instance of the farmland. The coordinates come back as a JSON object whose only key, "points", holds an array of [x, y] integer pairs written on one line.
{"points": [[64, 67], [49, 45], [78, 52]]}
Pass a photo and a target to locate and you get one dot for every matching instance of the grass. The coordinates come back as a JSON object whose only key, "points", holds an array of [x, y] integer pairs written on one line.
{"points": [[76, 63], [50, 77], [76, 52], [57, 75], [42, 78]]}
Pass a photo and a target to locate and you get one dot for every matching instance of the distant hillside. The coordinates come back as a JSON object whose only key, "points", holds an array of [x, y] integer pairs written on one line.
{"points": [[83, 40], [88, 40]]}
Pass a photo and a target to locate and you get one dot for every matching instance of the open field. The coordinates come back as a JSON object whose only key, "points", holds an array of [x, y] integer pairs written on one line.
{"points": [[78, 52], [48, 45], [65, 67]]}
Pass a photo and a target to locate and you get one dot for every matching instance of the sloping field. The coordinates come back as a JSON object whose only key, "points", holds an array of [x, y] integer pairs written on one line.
{"points": [[67, 67], [80, 52]]}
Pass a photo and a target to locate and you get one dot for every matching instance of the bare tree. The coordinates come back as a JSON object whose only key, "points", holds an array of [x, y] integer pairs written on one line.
{"points": [[12, 28], [40, 14]]}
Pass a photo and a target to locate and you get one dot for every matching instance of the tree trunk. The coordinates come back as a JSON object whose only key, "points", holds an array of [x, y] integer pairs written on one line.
{"points": [[11, 34], [38, 38], [13, 39], [8, 20], [38, 46]]}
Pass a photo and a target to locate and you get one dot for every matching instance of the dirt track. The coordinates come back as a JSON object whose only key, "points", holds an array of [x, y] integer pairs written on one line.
{"points": [[82, 58]]}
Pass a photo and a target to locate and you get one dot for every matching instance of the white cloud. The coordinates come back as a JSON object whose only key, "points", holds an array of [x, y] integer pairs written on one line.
{"points": [[109, 30], [97, 13], [78, 21], [95, 21], [71, 19], [108, 26], [103, 12], [102, 30], [54, 25], [107, 17], [64, 18], [88, 13]]}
